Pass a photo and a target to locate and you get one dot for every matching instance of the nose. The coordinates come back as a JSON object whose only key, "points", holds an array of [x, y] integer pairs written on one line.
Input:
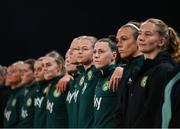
{"points": [[35, 73], [70, 51], [96, 55], [119, 44], [45, 69], [79, 51], [67, 61], [140, 37]]}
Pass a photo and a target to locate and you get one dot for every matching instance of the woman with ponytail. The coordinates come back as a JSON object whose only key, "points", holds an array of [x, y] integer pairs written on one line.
{"points": [[158, 45], [170, 111]]}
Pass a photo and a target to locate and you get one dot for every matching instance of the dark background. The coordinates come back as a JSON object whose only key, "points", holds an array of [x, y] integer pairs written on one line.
{"points": [[31, 28]]}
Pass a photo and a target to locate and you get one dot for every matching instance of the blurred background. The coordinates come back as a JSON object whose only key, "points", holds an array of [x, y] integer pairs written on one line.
{"points": [[31, 28]]}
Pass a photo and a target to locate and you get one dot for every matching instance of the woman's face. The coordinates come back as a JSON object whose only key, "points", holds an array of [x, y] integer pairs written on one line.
{"points": [[85, 52], [2, 76], [27, 74], [103, 56], [13, 75], [73, 51], [39, 70], [51, 68], [70, 67], [149, 40], [127, 45]]}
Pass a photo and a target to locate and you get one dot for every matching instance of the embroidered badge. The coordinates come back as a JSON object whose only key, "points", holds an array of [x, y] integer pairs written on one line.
{"points": [[29, 102], [81, 81], [56, 93], [90, 75], [14, 102], [46, 90], [105, 86], [143, 81]]}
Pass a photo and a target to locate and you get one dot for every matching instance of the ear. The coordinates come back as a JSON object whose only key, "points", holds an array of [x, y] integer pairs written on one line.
{"points": [[162, 41], [114, 55], [59, 67]]}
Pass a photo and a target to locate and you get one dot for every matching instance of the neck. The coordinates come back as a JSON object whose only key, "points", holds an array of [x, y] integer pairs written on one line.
{"points": [[72, 72], [30, 83], [151, 55], [86, 66], [15, 86], [137, 53]]}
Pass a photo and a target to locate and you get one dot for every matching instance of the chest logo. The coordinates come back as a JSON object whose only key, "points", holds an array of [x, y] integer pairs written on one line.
{"points": [[46, 90], [105, 86], [129, 80], [97, 102], [14, 102], [49, 106], [38, 102], [81, 81], [7, 114], [29, 102], [144, 81], [90, 75], [56, 93]]}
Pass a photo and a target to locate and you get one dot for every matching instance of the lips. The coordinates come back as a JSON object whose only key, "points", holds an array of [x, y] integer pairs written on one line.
{"points": [[96, 61], [142, 44], [121, 51], [79, 57]]}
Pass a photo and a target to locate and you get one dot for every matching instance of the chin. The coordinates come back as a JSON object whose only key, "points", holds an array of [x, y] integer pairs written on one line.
{"points": [[142, 50], [80, 61], [48, 77], [98, 67], [123, 56]]}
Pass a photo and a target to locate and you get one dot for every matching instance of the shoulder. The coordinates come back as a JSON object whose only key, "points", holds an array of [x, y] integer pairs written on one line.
{"points": [[164, 67]]}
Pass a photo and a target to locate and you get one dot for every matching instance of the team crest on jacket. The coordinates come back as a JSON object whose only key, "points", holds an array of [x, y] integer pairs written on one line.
{"points": [[29, 102], [46, 90], [56, 93], [81, 81], [144, 81], [89, 75], [105, 86], [14, 102]]}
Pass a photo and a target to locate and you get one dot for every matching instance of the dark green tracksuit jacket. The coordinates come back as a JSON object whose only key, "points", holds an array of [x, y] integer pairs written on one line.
{"points": [[72, 101], [88, 83], [13, 108], [40, 104], [56, 107], [142, 96], [105, 101], [27, 109], [5, 92]]}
